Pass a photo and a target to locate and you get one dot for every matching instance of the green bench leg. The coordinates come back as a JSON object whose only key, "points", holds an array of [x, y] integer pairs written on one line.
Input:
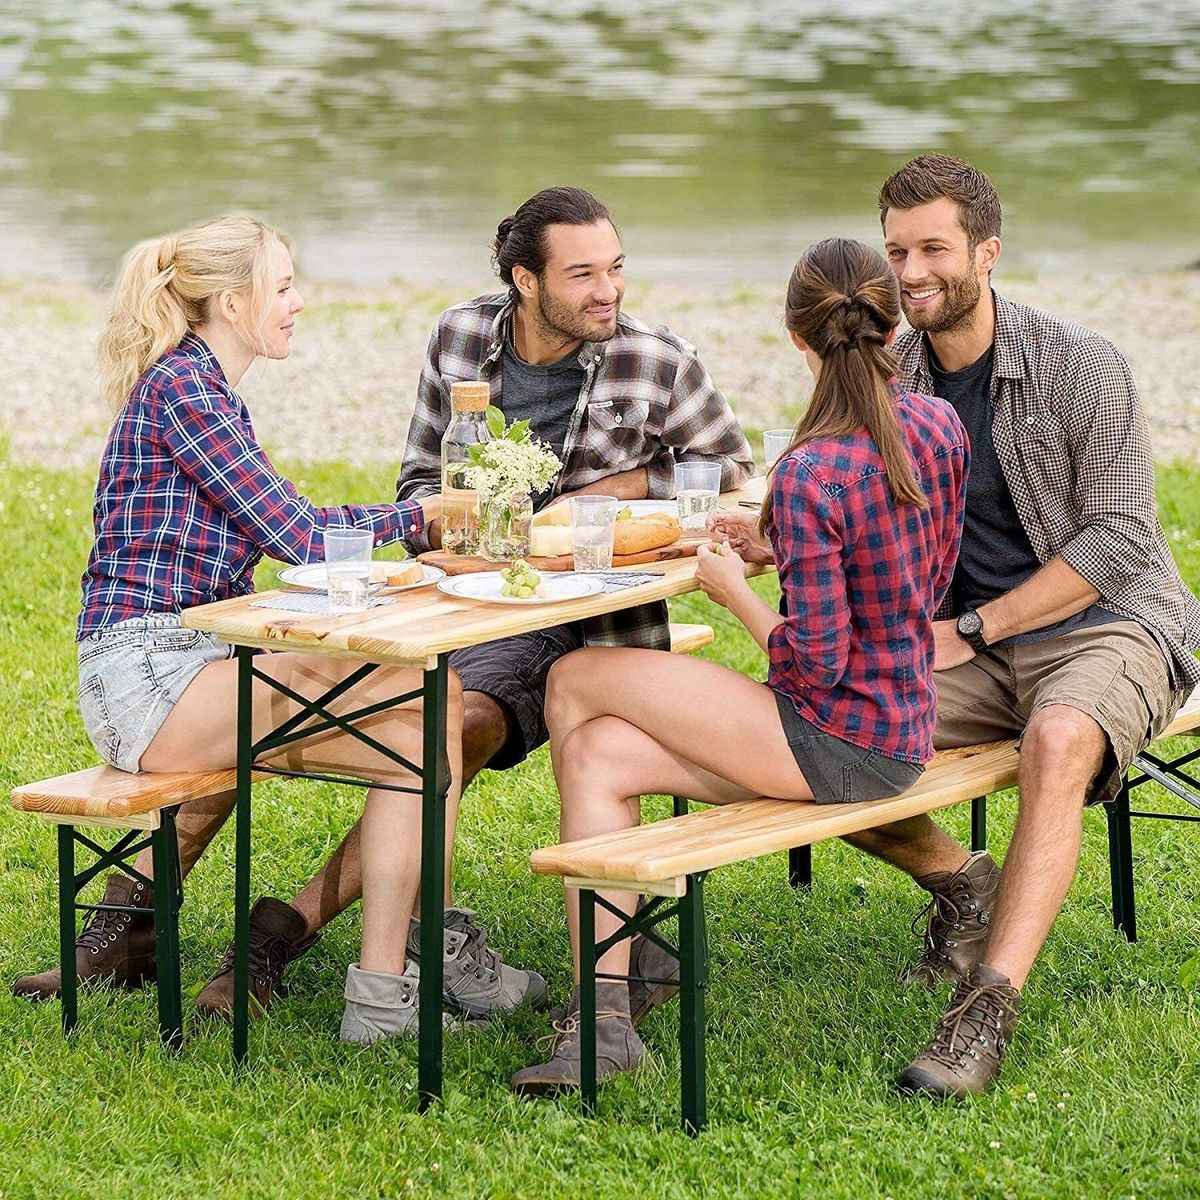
{"points": [[66, 926], [693, 981], [679, 806], [800, 867], [167, 899], [1120, 863], [979, 824], [587, 999]]}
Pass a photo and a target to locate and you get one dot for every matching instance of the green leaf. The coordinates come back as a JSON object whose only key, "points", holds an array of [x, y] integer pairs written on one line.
{"points": [[495, 421], [1189, 973], [475, 454], [518, 431]]}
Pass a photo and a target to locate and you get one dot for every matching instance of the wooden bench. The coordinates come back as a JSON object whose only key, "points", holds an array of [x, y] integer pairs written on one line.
{"points": [[103, 797], [668, 861]]}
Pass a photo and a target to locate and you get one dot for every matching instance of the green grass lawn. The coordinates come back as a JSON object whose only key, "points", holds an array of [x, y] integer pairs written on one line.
{"points": [[807, 1022]]}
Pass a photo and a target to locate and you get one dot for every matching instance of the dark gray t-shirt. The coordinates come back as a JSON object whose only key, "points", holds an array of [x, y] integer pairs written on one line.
{"points": [[544, 395], [996, 554]]}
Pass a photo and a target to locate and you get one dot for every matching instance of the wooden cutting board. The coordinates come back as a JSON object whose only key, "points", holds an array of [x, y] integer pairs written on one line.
{"points": [[466, 564]]}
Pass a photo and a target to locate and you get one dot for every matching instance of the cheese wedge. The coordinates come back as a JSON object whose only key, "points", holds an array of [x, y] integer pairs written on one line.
{"points": [[558, 514], [549, 541]]}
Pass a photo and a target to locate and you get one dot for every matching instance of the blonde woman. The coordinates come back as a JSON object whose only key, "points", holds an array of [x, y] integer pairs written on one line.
{"points": [[186, 505]]}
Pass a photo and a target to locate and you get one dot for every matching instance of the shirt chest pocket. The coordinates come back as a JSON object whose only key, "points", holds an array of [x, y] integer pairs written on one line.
{"points": [[616, 432], [1043, 451]]}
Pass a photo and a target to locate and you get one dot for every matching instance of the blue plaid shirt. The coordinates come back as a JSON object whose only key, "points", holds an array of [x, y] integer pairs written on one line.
{"points": [[188, 503]]}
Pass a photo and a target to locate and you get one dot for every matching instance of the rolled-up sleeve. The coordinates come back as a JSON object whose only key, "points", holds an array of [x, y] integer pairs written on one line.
{"points": [[214, 445], [811, 647], [1113, 463]]}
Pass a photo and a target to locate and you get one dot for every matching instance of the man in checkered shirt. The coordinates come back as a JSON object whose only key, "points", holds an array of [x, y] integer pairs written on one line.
{"points": [[1068, 623]]}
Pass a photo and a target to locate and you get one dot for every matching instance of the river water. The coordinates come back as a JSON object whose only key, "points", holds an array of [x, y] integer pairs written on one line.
{"points": [[389, 138]]}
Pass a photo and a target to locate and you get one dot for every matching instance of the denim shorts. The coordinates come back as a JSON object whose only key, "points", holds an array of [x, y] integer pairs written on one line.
{"points": [[838, 771], [130, 676]]}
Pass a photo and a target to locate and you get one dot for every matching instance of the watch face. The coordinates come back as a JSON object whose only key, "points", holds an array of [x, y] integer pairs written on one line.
{"points": [[970, 623]]}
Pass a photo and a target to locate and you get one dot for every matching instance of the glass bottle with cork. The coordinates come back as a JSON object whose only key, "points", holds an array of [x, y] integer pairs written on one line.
{"points": [[460, 504]]}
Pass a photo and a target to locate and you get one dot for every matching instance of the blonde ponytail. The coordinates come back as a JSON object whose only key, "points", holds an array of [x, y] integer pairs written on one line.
{"points": [[166, 287]]}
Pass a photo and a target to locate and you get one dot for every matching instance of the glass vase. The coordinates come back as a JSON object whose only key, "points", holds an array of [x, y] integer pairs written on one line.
{"points": [[506, 522]]}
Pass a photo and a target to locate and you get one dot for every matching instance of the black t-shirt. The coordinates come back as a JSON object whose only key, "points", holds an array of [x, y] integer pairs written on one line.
{"points": [[996, 553], [545, 395]]}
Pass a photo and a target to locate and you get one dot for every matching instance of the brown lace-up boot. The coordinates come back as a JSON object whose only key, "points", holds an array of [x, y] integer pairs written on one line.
{"points": [[971, 1038], [277, 937], [115, 949], [959, 917]]}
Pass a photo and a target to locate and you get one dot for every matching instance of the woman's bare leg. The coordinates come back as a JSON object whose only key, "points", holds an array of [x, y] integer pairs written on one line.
{"points": [[201, 734], [620, 728]]}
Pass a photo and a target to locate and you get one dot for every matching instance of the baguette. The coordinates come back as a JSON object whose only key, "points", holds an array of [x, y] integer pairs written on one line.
{"points": [[635, 535], [396, 574]]}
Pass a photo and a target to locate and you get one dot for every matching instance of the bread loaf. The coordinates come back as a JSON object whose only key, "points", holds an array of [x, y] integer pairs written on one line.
{"points": [[635, 535], [403, 573]]}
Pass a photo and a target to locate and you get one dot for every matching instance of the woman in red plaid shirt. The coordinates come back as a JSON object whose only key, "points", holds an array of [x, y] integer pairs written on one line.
{"points": [[862, 519], [186, 505]]}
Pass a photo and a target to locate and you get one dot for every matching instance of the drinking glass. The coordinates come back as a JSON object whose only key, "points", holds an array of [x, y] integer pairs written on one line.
{"points": [[592, 521], [696, 487], [348, 568], [775, 442]]}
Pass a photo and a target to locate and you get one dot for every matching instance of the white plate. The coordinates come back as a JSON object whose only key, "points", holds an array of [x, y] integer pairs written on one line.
{"points": [[486, 585], [312, 575], [644, 508]]}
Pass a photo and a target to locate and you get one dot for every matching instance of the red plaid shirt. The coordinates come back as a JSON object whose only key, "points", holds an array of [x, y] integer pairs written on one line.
{"points": [[863, 576], [188, 503]]}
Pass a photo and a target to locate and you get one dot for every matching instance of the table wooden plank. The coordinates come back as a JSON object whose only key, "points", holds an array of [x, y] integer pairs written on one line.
{"points": [[424, 622]]}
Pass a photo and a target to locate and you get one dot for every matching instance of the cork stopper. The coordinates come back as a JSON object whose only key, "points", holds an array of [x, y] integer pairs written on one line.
{"points": [[470, 396]]}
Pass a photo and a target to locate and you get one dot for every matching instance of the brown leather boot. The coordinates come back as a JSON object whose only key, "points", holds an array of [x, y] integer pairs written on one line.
{"points": [[115, 949], [960, 914], [971, 1038], [277, 937]]}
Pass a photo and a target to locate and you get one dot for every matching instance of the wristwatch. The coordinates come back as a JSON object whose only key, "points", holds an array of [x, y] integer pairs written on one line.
{"points": [[970, 629]]}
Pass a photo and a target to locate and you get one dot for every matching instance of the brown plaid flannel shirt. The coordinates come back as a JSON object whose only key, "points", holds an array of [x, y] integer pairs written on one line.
{"points": [[646, 401], [1075, 450]]}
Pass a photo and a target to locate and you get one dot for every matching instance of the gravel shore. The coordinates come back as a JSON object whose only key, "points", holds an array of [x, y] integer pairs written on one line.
{"points": [[347, 391]]}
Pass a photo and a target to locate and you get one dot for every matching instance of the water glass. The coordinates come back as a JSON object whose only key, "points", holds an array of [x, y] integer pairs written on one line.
{"points": [[775, 443], [348, 568], [592, 522], [697, 485]]}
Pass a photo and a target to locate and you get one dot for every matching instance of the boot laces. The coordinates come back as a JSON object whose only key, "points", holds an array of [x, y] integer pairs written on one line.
{"points": [[976, 1016], [103, 928], [566, 1030], [269, 955], [486, 962], [941, 916]]}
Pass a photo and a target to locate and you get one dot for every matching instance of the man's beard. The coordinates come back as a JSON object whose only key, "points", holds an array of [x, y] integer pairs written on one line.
{"points": [[960, 295], [558, 320]]}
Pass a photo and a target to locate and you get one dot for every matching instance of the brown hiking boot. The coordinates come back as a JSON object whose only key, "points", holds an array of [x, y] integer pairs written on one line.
{"points": [[277, 937], [971, 1038], [618, 1047], [960, 914], [115, 949]]}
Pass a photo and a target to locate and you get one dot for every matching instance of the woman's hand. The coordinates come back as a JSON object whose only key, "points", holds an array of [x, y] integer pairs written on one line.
{"points": [[721, 574], [740, 530]]}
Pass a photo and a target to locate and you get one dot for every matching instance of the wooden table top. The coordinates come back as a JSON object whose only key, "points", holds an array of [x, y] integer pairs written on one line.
{"points": [[425, 622]]}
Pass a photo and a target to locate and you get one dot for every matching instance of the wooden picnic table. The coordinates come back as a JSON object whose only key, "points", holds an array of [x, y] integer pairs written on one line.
{"points": [[418, 630]]}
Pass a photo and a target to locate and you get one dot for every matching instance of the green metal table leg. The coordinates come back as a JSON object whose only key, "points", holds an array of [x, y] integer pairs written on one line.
{"points": [[693, 980], [979, 824], [241, 876], [166, 938], [587, 999], [679, 806], [435, 783], [66, 925]]}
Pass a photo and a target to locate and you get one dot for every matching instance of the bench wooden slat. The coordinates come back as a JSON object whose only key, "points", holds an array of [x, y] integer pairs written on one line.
{"points": [[715, 837], [107, 792], [1187, 719], [686, 638]]}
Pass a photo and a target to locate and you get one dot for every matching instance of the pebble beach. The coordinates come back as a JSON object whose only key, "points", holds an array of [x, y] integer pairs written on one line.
{"points": [[347, 391]]}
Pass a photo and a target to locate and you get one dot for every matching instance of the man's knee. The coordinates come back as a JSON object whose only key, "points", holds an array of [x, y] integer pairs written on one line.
{"points": [[1062, 744], [485, 725]]}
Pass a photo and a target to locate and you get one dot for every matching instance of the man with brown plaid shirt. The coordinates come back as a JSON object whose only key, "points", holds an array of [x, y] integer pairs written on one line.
{"points": [[1069, 624]]}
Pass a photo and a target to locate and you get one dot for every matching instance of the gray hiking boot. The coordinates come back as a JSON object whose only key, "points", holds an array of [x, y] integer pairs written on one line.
{"points": [[474, 979], [959, 920], [380, 1005], [647, 960], [618, 1047]]}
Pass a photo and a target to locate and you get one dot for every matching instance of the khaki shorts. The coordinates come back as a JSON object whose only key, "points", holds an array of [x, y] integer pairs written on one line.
{"points": [[1114, 673]]}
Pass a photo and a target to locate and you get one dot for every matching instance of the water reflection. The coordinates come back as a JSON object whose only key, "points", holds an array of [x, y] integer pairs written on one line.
{"points": [[389, 137]]}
